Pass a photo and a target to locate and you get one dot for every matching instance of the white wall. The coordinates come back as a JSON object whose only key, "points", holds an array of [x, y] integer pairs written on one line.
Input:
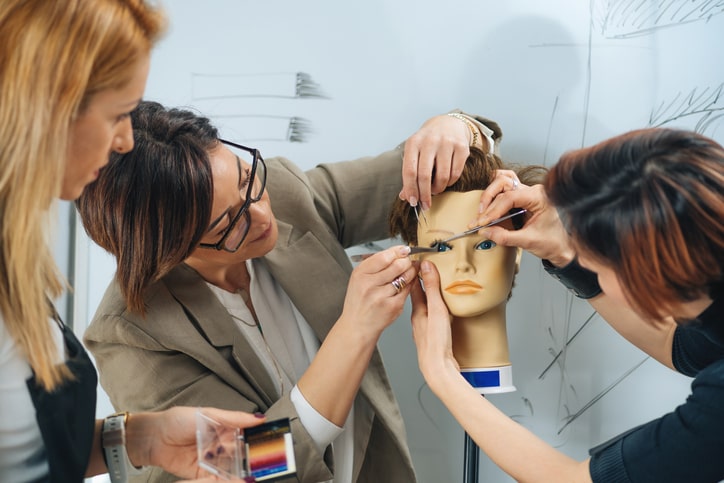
{"points": [[556, 75]]}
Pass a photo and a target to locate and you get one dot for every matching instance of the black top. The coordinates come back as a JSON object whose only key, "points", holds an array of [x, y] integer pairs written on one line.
{"points": [[66, 416], [687, 444]]}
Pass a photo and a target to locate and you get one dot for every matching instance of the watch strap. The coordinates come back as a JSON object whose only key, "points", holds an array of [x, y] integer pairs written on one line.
{"points": [[113, 440]]}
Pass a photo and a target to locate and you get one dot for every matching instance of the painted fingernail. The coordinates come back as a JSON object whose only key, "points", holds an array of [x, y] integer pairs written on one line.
{"points": [[259, 415], [249, 479], [404, 250], [412, 201], [425, 206]]}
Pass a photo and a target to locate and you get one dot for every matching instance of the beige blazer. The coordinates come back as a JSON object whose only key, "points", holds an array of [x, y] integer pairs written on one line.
{"points": [[188, 350]]}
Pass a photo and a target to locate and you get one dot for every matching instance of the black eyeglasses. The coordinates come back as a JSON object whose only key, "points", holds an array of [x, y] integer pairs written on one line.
{"points": [[234, 235]]}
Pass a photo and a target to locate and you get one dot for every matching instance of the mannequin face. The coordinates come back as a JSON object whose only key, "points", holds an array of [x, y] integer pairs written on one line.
{"points": [[476, 275]]}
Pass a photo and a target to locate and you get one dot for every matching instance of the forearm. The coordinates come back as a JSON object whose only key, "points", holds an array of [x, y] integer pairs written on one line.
{"points": [[513, 448], [96, 463], [332, 380]]}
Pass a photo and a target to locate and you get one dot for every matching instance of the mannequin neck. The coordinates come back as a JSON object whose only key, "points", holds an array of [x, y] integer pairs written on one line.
{"points": [[481, 340]]}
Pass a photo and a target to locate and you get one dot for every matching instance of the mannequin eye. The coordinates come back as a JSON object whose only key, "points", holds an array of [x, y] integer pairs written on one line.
{"points": [[441, 246], [485, 245]]}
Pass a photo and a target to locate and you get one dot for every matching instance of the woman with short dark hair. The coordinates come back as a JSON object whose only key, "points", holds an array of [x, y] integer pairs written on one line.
{"points": [[635, 225]]}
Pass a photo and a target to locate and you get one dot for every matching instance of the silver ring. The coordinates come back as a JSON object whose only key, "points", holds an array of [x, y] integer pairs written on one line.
{"points": [[399, 283]]}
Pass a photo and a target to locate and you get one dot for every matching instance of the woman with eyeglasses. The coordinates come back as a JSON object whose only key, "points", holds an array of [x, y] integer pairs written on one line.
{"points": [[233, 287], [70, 74]]}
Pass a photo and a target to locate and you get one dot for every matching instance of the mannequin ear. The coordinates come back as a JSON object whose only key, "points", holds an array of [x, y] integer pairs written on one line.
{"points": [[518, 257]]}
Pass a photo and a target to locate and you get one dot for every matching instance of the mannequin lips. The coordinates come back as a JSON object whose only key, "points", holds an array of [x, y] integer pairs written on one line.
{"points": [[463, 287]]}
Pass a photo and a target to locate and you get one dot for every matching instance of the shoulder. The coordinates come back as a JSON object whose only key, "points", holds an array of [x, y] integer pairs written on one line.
{"points": [[162, 307]]}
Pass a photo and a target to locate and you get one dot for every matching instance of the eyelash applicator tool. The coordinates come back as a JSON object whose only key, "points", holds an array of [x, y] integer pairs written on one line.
{"points": [[475, 229], [421, 249]]}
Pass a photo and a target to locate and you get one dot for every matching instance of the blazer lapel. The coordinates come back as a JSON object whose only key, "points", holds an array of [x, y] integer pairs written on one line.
{"points": [[305, 268], [213, 321]]}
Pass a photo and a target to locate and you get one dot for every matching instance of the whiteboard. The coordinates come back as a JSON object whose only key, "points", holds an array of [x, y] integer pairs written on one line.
{"points": [[556, 75]]}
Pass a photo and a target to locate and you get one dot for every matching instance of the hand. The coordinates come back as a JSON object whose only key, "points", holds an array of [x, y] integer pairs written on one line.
{"points": [[431, 328], [542, 234], [168, 438], [372, 300], [443, 143]]}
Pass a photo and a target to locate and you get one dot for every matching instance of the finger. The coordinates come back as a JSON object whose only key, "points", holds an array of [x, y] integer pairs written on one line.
{"points": [[410, 160], [505, 180], [402, 284], [459, 158], [497, 187], [443, 167], [234, 419], [528, 197], [380, 261], [425, 165], [418, 298], [431, 282]]}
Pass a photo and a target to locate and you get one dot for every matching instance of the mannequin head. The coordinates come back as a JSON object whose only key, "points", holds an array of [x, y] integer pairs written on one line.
{"points": [[451, 213], [476, 275]]}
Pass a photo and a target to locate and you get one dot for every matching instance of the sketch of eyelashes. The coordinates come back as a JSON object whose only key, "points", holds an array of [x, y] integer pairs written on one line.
{"points": [[285, 85], [633, 18], [706, 103], [264, 127]]}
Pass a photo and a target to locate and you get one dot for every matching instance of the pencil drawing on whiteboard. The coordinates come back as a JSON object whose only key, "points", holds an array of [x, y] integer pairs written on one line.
{"points": [[255, 106], [633, 18]]}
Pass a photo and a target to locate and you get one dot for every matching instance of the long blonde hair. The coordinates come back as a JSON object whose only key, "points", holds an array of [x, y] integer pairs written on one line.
{"points": [[54, 56]]}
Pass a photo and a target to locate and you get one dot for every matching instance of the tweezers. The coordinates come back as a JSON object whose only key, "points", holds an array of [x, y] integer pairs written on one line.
{"points": [[472, 231], [475, 229]]}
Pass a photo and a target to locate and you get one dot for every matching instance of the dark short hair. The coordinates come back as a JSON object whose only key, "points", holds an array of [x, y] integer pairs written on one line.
{"points": [[150, 207], [649, 205]]}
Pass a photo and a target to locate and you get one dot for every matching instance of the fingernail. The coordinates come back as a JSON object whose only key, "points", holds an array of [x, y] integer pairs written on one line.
{"points": [[425, 206], [412, 201], [259, 415], [480, 208], [425, 266], [404, 250], [249, 479]]}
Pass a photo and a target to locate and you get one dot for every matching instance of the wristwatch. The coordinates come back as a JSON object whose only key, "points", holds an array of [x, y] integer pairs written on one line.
{"points": [[113, 440]]}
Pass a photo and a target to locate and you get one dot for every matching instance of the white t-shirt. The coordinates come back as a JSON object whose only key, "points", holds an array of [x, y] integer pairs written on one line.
{"points": [[22, 452]]}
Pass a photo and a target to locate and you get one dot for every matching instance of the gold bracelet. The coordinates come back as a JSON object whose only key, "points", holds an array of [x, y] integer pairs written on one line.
{"points": [[469, 124]]}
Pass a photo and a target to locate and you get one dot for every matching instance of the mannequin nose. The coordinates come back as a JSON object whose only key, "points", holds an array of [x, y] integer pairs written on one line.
{"points": [[463, 262]]}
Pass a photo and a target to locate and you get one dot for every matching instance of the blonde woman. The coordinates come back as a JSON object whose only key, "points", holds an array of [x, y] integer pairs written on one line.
{"points": [[70, 74]]}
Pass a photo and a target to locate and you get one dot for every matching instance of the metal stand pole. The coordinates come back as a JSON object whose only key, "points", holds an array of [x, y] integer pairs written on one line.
{"points": [[470, 464]]}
